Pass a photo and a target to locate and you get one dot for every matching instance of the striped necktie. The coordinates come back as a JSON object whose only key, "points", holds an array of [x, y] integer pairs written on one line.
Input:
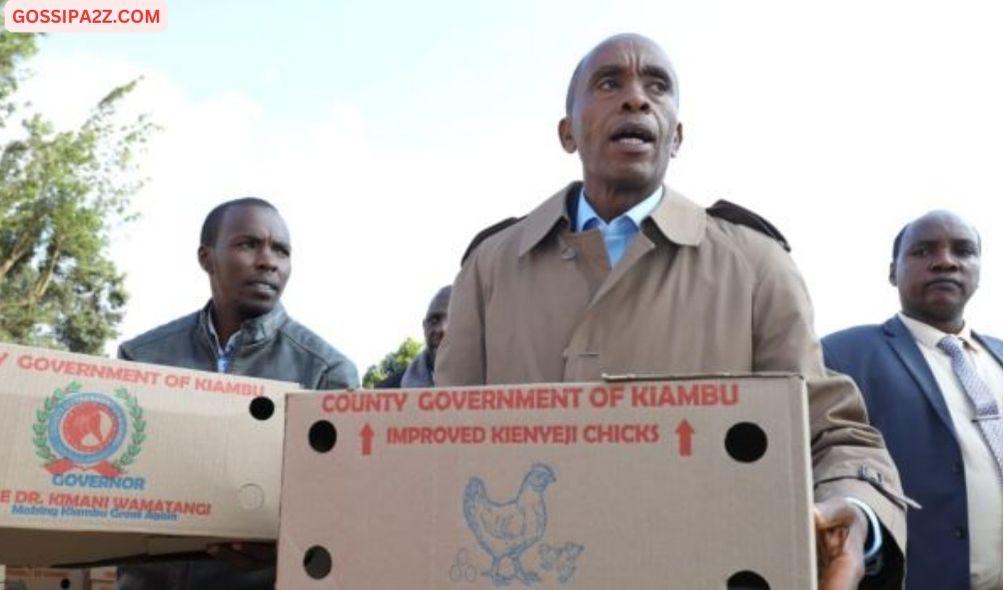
{"points": [[988, 415]]}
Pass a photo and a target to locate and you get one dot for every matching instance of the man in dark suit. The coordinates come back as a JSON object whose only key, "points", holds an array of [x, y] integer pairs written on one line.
{"points": [[933, 387]]}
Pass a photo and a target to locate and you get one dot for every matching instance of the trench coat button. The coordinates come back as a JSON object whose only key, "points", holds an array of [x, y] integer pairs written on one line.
{"points": [[957, 467], [568, 254], [960, 533]]}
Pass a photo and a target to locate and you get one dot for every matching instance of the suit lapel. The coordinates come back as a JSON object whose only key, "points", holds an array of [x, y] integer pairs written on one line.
{"points": [[906, 349], [994, 351]]}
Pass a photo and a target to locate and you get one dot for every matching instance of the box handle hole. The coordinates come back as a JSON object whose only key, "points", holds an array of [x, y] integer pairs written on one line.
{"points": [[317, 562], [746, 442], [747, 580], [262, 408], [322, 436]]}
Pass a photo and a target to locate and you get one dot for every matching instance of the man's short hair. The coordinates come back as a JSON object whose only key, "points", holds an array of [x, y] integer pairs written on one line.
{"points": [[570, 97], [211, 226], [897, 242], [574, 81]]}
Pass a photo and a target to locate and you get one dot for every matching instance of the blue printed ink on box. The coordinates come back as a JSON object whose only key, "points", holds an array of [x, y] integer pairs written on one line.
{"points": [[506, 530]]}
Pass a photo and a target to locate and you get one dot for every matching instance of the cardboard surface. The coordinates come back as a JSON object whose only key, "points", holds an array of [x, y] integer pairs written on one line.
{"points": [[103, 459], [41, 578], [591, 486], [102, 578]]}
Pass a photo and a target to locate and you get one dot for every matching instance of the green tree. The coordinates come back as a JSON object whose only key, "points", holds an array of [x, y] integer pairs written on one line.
{"points": [[392, 363], [60, 194]]}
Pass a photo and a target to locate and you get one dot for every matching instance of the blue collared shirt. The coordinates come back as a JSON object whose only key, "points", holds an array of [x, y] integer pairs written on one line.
{"points": [[621, 231], [224, 354]]}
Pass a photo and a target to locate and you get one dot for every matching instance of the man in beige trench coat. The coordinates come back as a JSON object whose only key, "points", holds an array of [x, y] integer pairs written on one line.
{"points": [[619, 274]]}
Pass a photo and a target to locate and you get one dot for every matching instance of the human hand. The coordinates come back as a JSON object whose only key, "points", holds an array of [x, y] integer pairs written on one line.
{"points": [[841, 531]]}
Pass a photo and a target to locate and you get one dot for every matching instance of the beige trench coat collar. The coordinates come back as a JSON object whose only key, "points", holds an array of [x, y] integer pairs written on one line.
{"points": [[678, 218]]}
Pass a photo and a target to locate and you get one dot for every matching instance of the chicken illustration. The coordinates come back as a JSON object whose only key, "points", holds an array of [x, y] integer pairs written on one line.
{"points": [[506, 530], [560, 559]]}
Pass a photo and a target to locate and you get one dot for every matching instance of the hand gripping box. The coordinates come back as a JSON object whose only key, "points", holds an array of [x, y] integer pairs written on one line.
{"points": [[690, 483], [102, 460]]}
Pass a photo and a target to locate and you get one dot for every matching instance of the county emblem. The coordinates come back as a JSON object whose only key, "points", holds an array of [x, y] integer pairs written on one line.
{"points": [[87, 430]]}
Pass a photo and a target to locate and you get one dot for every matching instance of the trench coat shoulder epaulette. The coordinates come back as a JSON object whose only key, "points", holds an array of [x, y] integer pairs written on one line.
{"points": [[722, 209], [733, 213], [487, 233]]}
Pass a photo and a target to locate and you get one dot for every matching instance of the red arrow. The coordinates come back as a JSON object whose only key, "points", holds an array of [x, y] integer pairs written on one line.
{"points": [[367, 435], [684, 432]]}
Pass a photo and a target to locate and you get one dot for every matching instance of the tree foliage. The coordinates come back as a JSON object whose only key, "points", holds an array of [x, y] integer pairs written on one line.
{"points": [[61, 191], [392, 363]]}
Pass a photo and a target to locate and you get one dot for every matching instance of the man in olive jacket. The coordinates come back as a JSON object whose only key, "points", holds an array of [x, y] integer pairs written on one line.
{"points": [[621, 275], [243, 330]]}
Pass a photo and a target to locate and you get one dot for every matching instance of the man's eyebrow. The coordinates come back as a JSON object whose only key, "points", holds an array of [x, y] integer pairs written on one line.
{"points": [[657, 72], [604, 71], [259, 237]]}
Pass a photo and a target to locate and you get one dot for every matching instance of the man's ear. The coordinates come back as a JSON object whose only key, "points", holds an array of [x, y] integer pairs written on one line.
{"points": [[892, 273], [565, 135], [205, 260], [677, 140]]}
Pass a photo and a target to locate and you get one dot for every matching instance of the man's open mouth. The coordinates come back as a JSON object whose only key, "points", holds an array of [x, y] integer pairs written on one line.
{"points": [[632, 134]]}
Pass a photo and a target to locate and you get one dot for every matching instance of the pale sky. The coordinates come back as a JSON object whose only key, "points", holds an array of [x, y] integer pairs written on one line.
{"points": [[388, 134]]}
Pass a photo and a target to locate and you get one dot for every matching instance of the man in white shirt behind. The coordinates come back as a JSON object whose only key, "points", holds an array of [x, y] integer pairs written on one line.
{"points": [[933, 387]]}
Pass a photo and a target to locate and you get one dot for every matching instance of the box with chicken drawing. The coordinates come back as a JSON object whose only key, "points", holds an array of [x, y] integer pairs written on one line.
{"points": [[697, 482], [102, 460]]}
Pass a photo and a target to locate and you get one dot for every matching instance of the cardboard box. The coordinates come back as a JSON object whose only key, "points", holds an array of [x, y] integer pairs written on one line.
{"points": [[103, 574], [102, 460], [693, 483], [102, 578], [42, 578]]}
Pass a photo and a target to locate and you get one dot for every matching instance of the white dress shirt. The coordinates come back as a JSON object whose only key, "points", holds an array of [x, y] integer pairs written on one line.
{"points": [[983, 488]]}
